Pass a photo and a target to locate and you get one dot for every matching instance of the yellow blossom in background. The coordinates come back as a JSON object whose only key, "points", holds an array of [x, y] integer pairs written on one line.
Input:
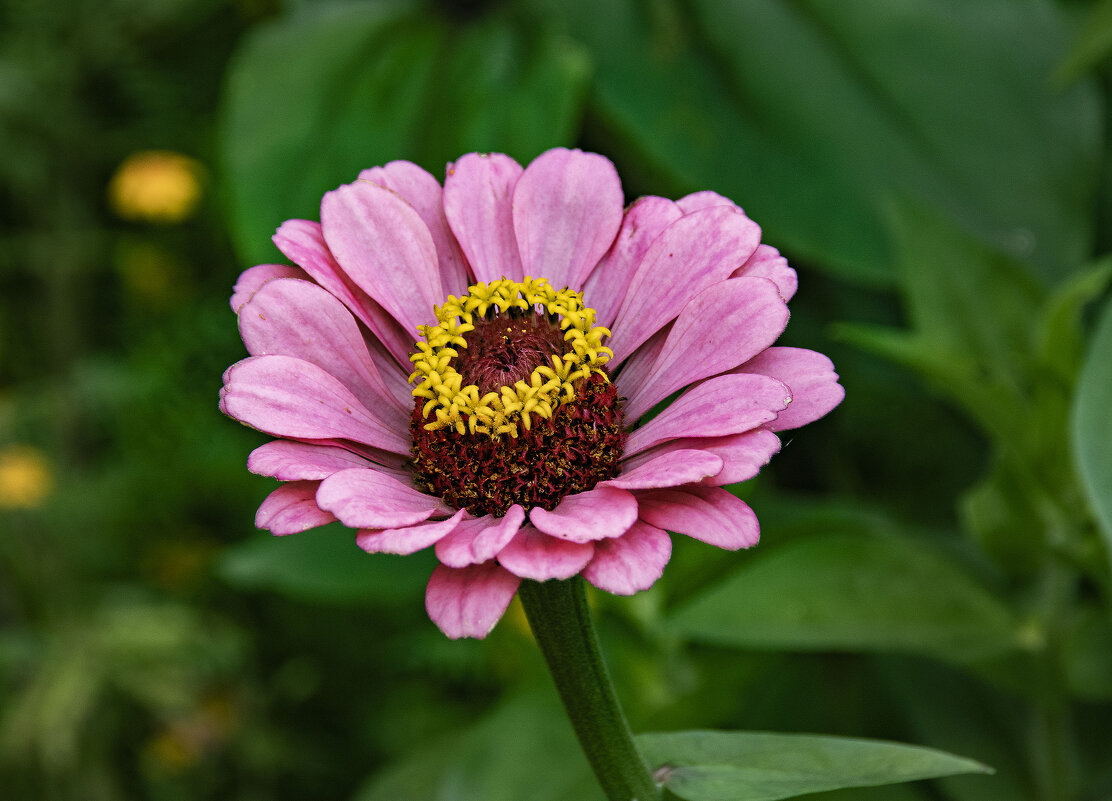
{"points": [[156, 186], [25, 477]]}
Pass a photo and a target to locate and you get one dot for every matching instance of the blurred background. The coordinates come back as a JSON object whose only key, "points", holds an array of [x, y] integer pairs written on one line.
{"points": [[934, 564]]}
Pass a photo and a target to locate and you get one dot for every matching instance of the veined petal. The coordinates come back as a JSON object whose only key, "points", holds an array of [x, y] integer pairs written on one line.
{"points": [[288, 397], [408, 539], [592, 515], [385, 247], [606, 287], [766, 262], [567, 211], [469, 601], [422, 191], [302, 241], [299, 461], [291, 509], [479, 539], [369, 498], [251, 279], [811, 377], [717, 406], [535, 555], [723, 326], [670, 469], [300, 319], [742, 455], [478, 203], [710, 514], [697, 251], [632, 562]]}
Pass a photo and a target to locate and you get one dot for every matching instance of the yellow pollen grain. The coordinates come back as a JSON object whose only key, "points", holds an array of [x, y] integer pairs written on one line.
{"points": [[451, 404]]}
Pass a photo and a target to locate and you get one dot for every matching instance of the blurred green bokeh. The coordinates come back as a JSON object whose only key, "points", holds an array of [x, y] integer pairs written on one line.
{"points": [[935, 556]]}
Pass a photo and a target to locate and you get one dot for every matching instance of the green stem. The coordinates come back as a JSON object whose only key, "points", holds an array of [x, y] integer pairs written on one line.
{"points": [[561, 622]]}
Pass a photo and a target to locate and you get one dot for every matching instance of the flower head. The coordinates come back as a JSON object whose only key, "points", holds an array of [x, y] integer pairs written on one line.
{"points": [[467, 367]]}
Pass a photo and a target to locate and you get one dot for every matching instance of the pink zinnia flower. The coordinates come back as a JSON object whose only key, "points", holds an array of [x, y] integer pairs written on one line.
{"points": [[465, 368]]}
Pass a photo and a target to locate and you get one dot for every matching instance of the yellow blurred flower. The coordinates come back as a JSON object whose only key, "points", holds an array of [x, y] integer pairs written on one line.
{"points": [[25, 477], [156, 186]]}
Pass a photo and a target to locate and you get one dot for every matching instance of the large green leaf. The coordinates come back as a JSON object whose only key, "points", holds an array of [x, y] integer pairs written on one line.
{"points": [[325, 565], [317, 96], [851, 592], [1091, 431], [755, 766], [313, 98], [815, 114]]}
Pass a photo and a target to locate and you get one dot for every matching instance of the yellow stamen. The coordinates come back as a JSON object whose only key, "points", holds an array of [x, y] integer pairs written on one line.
{"points": [[451, 404]]}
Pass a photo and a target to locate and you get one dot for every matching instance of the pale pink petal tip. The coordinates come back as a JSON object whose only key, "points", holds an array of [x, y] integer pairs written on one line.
{"points": [[469, 601], [291, 509], [537, 556], [632, 562], [596, 514], [811, 378]]}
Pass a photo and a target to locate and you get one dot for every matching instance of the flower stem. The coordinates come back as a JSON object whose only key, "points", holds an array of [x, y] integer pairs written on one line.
{"points": [[561, 622]]}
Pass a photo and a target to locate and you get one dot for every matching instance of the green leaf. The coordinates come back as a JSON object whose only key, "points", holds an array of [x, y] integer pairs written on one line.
{"points": [[325, 565], [317, 96], [523, 749], [1060, 332], [1093, 45], [312, 99], [813, 115], [1090, 429], [851, 592], [755, 766]]}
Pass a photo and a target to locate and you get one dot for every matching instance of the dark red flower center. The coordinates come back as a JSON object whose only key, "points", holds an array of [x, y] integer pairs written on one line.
{"points": [[569, 451]]}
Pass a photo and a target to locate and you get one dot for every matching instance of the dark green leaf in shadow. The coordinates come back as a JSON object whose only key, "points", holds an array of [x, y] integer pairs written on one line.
{"points": [[755, 766], [325, 564], [813, 115], [851, 592], [1093, 45], [524, 749], [1091, 432]]}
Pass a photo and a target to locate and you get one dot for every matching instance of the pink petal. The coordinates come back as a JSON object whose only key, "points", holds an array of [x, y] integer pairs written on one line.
{"points": [[368, 498], [697, 201], [606, 287], [302, 241], [710, 514], [714, 407], [288, 397], [408, 539], [251, 279], [537, 556], [632, 562], [386, 248], [723, 326], [422, 191], [567, 211], [811, 377], [635, 371], [592, 515], [766, 262], [300, 319], [296, 461], [469, 601], [479, 539], [742, 455], [670, 469], [695, 252], [478, 202], [291, 509]]}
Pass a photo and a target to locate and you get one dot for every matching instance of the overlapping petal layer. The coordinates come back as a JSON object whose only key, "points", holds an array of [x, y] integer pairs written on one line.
{"points": [[693, 302]]}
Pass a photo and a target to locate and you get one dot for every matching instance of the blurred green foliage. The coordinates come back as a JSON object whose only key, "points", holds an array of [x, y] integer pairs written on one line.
{"points": [[935, 560]]}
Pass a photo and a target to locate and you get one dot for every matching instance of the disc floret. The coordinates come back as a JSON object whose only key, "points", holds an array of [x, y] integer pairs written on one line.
{"points": [[452, 400]]}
